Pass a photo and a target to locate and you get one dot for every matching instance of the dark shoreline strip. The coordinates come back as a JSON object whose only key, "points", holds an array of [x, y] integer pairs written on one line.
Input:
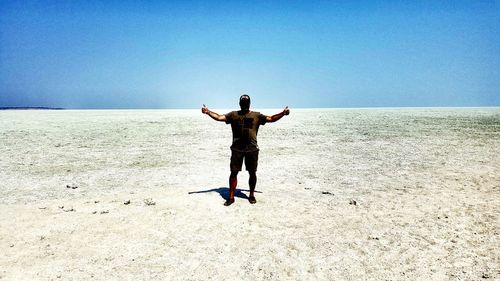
{"points": [[28, 108]]}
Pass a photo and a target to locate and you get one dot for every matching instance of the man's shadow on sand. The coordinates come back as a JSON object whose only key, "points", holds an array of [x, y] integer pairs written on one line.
{"points": [[224, 192]]}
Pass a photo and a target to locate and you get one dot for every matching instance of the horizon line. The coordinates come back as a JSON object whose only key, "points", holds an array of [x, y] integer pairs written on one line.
{"points": [[191, 108]]}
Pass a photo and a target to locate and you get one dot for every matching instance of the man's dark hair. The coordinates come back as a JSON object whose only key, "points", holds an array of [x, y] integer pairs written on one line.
{"points": [[245, 102]]}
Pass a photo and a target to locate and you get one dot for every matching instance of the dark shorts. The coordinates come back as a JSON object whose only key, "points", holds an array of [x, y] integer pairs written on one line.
{"points": [[251, 159]]}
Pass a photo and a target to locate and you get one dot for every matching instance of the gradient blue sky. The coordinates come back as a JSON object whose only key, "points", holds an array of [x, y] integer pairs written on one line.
{"points": [[180, 54]]}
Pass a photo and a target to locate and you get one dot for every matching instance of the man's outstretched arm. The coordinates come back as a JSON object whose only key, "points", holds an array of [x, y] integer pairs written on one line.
{"points": [[278, 116], [215, 116]]}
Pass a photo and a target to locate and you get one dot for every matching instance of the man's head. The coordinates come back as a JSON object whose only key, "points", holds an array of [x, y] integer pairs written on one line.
{"points": [[245, 102]]}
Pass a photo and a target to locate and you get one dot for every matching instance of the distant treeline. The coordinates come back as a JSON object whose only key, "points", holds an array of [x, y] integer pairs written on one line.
{"points": [[35, 107]]}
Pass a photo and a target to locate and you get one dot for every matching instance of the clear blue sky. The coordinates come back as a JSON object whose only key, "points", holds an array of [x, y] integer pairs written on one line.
{"points": [[180, 54]]}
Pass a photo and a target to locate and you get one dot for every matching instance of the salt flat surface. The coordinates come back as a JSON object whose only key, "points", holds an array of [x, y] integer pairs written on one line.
{"points": [[425, 182]]}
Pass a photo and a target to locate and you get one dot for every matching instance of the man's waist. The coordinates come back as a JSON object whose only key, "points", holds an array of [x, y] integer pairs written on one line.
{"points": [[245, 148]]}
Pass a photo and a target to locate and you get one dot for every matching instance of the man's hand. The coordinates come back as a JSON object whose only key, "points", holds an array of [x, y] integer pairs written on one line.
{"points": [[204, 109], [278, 116], [213, 115], [286, 111]]}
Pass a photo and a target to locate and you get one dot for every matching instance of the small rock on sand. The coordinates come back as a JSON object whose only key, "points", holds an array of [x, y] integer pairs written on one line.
{"points": [[327, 192], [149, 202], [126, 202]]}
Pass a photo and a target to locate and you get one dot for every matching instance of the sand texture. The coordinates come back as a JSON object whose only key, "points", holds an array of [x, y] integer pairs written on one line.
{"points": [[343, 194]]}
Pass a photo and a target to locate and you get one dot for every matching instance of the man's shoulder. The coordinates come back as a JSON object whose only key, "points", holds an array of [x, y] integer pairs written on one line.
{"points": [[231, 116], [255, 113], [231, 113], [238, 113]]}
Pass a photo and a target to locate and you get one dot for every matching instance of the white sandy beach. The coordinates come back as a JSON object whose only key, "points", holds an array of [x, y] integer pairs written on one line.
{"points": [[344, 194]]}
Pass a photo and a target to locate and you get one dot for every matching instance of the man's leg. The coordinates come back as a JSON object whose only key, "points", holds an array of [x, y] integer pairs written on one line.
{"points": [[235, 166], [252, 181], [251, 160], [233, 182]]}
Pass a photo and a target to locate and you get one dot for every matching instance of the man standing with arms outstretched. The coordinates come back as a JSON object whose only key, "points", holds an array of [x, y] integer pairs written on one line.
{"points": [[245, 125]]}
